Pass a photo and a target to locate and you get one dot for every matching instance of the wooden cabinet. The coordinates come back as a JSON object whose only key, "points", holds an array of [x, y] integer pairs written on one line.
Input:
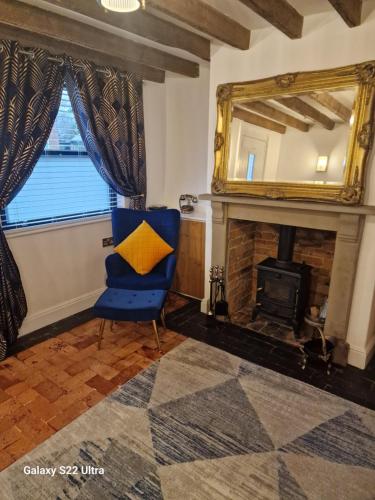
{"points": [[189, 277]]}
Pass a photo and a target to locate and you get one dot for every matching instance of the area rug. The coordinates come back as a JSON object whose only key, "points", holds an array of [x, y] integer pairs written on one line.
{"points": [[203, 424]]}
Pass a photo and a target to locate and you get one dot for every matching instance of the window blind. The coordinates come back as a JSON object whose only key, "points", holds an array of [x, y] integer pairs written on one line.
{"points": [[64, 184]]}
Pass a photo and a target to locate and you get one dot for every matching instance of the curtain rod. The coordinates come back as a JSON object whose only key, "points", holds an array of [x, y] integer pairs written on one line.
{"points": [[60, 60]]}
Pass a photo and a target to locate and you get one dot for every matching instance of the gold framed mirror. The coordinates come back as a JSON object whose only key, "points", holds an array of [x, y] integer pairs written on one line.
{"points": [[301, 136]]}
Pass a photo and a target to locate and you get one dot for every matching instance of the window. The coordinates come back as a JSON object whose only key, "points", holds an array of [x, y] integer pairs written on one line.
{"points": [[250, 166], [64, 184]]}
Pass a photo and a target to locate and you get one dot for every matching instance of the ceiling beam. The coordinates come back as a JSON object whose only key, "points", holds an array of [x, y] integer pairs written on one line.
{"points": [[34, 20], [143, 24], [304, 109], [331, 103], [277, 115], [258, 120], [201, 16], [280, 14], [57, 48], [349, 10]]}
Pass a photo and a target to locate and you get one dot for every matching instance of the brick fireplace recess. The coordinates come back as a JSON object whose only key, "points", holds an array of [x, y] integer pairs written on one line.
{"points": [[282, 269], [328, 239]]}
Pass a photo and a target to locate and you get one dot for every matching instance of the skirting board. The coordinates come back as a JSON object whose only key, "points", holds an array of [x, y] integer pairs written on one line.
{"points": [[357, 357], [361, 357], [205, 305], [59, 311]]}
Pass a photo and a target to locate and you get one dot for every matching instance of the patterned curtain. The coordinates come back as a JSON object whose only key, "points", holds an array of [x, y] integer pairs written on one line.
{"points": [[30, 93], [109, 111]]}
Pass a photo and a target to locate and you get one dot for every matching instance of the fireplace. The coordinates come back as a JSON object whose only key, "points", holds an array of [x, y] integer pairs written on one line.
{"points": [[282, 285], [332, 253]]}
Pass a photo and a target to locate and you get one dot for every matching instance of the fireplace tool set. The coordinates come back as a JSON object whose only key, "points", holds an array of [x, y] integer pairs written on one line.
{"points": [[218, 305], [318, 347]]}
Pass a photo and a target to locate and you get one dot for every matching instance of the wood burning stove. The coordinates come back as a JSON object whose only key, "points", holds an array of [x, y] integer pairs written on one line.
{"points": [[283, 285]]}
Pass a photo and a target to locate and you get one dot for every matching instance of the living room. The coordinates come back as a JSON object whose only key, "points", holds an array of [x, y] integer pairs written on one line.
{"points": [[220, 395]]}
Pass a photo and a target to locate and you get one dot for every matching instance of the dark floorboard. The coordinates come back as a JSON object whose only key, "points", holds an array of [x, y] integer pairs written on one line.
{"points": [[350, 383]]}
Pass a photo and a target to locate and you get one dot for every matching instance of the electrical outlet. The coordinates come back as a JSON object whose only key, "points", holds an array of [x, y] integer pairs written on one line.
{"points": [[107, 242]]}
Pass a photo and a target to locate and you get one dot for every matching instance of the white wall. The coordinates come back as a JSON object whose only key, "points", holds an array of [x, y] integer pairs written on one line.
{"points": [[186, 137], [154, 98], [326, 43], [62, 269], [300, 150]]}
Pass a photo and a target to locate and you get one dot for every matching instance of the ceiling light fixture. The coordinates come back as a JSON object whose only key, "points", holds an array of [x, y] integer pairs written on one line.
{"points": [[122, 5]]}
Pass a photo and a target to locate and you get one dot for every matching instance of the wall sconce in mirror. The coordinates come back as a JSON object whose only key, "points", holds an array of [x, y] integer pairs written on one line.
{"points": [[322, 164]]}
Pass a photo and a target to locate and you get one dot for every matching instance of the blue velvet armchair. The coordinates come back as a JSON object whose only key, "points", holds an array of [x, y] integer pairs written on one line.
{"points": [[119, 273]]}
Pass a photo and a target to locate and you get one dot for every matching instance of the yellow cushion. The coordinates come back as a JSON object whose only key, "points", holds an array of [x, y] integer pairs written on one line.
{"points": [[143, 249]]}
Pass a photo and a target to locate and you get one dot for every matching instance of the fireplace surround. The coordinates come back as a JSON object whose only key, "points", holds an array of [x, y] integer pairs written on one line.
{"points": [[346, 221]]}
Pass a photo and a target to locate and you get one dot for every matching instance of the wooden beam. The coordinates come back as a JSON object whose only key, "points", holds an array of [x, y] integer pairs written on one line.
{"points": [[143, 24], [331, 103], [56, 47], [307, 111], [258, 120], [277, 115], [201, 16], [35, 20], [280, 14], [349, 10]]}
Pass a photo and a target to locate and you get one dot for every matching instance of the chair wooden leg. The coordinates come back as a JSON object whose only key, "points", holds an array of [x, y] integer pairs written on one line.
{"points": [[101, 332], [156, 333], [112, 325], [162, 317]]}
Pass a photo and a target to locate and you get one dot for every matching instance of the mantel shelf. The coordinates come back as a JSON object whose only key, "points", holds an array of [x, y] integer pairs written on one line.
{"points": [[287, 204]]}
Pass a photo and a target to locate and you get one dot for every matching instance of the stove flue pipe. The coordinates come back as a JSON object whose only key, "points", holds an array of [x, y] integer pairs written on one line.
{"points": [[285, 249]]}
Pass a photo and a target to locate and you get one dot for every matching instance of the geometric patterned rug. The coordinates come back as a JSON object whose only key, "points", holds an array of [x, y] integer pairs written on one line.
{"points": [[203, 424]]}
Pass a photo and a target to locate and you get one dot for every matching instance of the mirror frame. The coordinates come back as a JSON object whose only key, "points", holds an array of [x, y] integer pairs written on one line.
{"points": [[359, 143]]}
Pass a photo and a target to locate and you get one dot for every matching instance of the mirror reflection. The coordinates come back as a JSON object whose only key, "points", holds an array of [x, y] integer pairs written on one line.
{"points": [[301, 138]]}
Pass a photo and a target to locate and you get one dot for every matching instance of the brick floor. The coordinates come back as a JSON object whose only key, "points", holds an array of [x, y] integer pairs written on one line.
{"points": [[47, 386]]}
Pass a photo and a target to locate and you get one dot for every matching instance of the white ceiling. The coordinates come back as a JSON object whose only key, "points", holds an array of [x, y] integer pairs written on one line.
{"points": [[346, 97], [233, 8], [238, 11]]}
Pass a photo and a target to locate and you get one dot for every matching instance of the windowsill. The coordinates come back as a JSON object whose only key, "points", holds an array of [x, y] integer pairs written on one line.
{"points": [[54, 226]]}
